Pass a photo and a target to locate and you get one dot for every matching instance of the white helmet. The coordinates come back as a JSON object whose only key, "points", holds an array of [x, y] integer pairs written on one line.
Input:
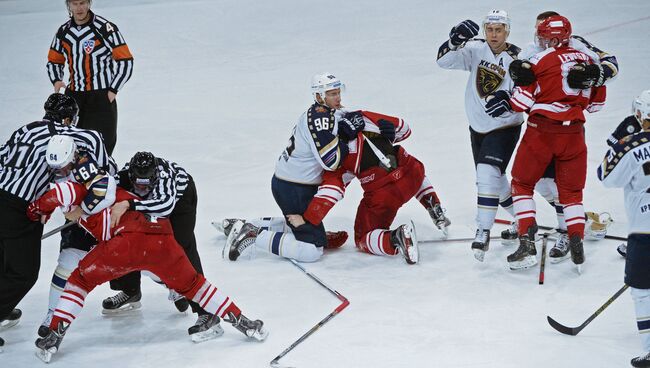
{"points": [[321, 83], [641, 107], [60, 152], [497, 17]]}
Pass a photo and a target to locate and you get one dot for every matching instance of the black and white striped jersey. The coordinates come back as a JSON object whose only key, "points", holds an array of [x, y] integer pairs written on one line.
{"points": [[160, 202], [23, 169], [96, 53]]}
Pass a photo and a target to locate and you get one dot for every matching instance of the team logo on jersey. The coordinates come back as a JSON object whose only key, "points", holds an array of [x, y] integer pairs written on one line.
{"points": [[487, 81], [321, 109], [89, 46]]}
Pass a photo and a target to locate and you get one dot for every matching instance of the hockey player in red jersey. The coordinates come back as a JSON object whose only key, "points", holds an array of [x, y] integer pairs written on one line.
{"points": [[137, 243], [390, 177], [555, 132]]}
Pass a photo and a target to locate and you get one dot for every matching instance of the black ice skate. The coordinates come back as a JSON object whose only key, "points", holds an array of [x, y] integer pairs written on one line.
{"points": [[122, 302], [49, 345], [641, 361], [2, 343], [205, 328], [405, 240], [437, 214], [577, 250], [481, 244], [44, 328], [560, 250], [509, 236], [252, 329], [242, 236], [179, 301], [622, 250], [226, 225], [525, 255], [11, 320]]}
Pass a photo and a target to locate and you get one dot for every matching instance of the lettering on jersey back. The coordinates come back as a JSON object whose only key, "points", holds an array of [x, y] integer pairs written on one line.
{"points": [[642, 154], [489, 77], [573, 56]]}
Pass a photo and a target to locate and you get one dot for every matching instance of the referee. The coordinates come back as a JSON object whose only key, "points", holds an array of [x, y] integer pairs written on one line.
{"points": [[99, 65], [24, 177]]}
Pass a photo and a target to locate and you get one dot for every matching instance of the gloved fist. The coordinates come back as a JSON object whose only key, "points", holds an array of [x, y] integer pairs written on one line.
{"points": [[463, 32], [35, 213], [583, 76], [387, 129], [521, 73], [498, 103], [350, 125]]}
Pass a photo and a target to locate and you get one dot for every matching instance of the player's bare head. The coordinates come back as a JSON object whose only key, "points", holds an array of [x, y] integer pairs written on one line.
{"points": [[554, 31], [78, 9], [496, 27], [62, 109], [326, 89], [641, 109]]}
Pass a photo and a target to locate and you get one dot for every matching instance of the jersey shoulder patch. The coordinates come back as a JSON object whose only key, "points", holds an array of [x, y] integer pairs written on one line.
{"points": [[513, 50], [320, 118]]}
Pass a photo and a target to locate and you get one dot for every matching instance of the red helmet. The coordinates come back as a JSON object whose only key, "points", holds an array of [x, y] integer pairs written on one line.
{"points": [[556, 28]]}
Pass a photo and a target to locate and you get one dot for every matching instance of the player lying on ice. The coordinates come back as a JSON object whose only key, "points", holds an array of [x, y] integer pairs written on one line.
{"points": [[389, 176], [136, 243]]}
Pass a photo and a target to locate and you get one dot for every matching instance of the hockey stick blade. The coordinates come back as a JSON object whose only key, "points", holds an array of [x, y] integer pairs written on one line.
{"points": [[572, 331]]}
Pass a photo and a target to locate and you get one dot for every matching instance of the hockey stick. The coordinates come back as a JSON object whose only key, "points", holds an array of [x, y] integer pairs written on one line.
{"points": [[575, 330], [343, 305], [543, 262], [452, 239], [58, 229], [542, 227]]}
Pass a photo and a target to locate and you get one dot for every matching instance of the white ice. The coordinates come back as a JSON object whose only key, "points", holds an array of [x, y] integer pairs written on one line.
{"points": [[217, 87]]}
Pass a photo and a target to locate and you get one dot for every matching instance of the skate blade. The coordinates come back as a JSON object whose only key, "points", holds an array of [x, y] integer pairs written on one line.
{"points": [[527, 262], [46, 354], [413, 252], [579, 269], [259, 335], [8, 323], [559, 259], [444, 230], [218, 225], [234, 232], [209, 334], [123, 310], [479, 254]]}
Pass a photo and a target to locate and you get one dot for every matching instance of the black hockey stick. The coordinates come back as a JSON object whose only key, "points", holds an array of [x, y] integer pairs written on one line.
{"points": [[452, 239], [58, 229], [575, 330], [344, 303], [542, 227], [543, 261]]}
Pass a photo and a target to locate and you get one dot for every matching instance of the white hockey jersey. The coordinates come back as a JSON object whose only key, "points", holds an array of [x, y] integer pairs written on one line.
{"points": [[598, 56], [627, 165], [488, 74], [313, 147]]}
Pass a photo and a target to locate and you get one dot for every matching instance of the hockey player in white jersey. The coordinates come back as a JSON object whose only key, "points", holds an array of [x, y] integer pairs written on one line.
{"points": [[319, 142], [493, 139], [626, 165], [604, 69]]}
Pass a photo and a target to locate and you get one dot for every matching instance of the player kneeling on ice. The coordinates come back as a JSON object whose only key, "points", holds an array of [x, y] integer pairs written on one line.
{"points": [[626, 166], [138, 243]]}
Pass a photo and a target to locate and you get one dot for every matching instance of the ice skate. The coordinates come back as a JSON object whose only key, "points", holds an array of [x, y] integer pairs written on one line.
{"points": [[225, 225], [121, 303], [11, 320], [560, 250], [44, 328], [241, 239], [509, 236], [2, 343], [205, 328], [437, 214], [49, 345], [405, 240], [252, 329], [622, 250], [577, 250], [179, 301], [481, 244], [525, 256], [641, 361]]}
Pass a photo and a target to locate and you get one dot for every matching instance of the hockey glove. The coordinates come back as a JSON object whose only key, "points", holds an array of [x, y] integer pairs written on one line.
{"points": [[350, 125], [462, 32], [521, 73], [498, 104], [387, 129], [35, 213], [582, 76]]}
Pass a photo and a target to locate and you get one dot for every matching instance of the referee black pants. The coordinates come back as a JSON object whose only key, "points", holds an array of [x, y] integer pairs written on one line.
{"points": [[183, 219], [20, 252], [97, 113]]}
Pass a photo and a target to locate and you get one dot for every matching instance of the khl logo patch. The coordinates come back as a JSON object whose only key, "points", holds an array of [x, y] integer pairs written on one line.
{"points": [[88, 46]]}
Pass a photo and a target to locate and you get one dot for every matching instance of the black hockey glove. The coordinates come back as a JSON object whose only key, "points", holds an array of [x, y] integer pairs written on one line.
{"points": [[521, 73], [350, 125], [583, 76], [497, 104], [463, 31], [387, 129]]}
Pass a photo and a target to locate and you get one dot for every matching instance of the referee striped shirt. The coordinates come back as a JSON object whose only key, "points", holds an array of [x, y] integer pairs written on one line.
{"points": [[160, 202], [97, 55], [23, 169]]}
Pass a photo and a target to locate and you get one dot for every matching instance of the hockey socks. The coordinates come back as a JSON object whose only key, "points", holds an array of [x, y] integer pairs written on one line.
{"points": [[285, 244]]}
